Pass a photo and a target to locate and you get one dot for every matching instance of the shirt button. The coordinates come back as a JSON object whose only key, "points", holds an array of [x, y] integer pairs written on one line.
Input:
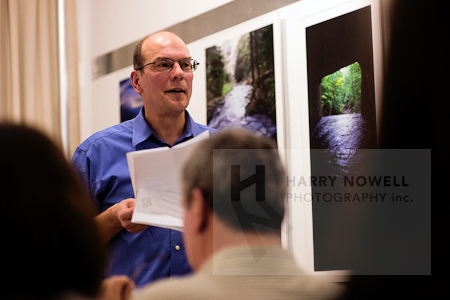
{"points": [[177, 247]]}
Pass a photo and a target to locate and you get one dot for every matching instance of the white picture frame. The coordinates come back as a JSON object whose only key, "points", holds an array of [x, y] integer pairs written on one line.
{"points": [[197, 106], [295, 20]]}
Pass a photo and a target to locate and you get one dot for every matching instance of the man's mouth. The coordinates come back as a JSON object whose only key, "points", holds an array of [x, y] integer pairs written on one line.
{"points": [[176, 90]]}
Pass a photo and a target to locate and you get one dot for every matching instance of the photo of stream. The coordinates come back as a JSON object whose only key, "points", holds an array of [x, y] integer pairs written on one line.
{"points": [[342, 118], [342, 130], [241, 83]]}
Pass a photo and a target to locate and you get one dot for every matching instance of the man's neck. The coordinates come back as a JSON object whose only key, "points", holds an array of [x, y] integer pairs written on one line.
{"points": [[227, 237], [167, 128]]}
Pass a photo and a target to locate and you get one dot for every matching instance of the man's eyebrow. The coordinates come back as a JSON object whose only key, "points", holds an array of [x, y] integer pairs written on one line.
{"points": [[165, 57]]}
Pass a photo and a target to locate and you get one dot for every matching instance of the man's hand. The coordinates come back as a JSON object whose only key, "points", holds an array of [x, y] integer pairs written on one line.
{"points": [[115, 218], [116, 288], [124, 212]]}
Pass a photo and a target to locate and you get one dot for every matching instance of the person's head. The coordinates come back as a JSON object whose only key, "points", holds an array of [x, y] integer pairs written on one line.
{"points": [[210, 183], [50, 243], [164, 93]]}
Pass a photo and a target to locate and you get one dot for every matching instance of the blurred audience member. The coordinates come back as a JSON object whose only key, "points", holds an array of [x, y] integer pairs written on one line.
{"points": [[234, 243], [51, 249]]}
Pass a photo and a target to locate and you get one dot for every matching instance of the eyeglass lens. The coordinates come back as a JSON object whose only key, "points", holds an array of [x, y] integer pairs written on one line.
{"points": [[166, 64]]}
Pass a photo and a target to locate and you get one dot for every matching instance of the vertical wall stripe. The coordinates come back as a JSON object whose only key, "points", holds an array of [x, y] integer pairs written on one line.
{"points": [[63, 79]]}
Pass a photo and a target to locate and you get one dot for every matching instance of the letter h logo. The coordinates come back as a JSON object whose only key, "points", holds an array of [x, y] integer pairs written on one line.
{"points": [[258, 179]]}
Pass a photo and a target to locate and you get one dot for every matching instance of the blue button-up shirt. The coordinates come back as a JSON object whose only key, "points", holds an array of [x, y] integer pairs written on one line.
{"points": [[100, 162]]}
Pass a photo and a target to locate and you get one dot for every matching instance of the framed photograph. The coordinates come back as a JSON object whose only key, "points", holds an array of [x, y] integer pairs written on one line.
{"points": [[239, 82], [334, 105], [241, 79], [130, 101]]}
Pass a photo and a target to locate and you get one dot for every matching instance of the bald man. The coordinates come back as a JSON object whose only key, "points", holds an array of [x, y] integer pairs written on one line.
{"points": [[162, 75]]}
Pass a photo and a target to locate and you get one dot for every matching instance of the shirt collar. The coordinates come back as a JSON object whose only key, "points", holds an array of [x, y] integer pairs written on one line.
{"points": [[142, 130]]}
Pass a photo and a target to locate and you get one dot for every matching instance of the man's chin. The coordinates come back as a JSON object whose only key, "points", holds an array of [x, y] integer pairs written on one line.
{"points": [[178, 105]]}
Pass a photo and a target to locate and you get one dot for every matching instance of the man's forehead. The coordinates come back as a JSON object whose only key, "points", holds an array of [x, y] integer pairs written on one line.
{"points": [[155, 44], [164, 39]]}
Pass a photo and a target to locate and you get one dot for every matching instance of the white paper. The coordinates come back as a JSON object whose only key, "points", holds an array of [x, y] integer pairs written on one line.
{"points": [[159, 208], [155, 175]]}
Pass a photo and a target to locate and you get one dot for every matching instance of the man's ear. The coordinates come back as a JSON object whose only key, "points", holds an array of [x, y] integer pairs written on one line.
{"points": [[136, 81], [201, 211]]}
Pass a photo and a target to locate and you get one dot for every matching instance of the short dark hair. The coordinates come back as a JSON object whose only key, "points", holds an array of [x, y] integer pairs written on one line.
{"points": [[50, 221], [203, 169], [138, 58]]}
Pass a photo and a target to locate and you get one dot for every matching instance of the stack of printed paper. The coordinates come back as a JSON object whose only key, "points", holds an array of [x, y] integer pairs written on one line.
{"points": [[156, 178]]}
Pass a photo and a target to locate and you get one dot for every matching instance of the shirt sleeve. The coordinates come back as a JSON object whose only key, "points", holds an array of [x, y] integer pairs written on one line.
{"points": [[84, 170]]}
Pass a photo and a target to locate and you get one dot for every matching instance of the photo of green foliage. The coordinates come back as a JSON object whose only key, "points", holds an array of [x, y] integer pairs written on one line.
{"points": [[341, 91], [240, 83], [341, 125]]}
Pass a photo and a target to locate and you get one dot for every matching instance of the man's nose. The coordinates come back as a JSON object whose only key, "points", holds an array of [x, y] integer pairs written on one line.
{"points": [[176, 71]]}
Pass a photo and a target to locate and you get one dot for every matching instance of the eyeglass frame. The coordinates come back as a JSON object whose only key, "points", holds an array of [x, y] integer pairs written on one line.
{"points": [[196, 63]]}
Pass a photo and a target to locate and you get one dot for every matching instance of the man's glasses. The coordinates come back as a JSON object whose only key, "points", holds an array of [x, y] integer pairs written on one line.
{"points": [[166, 64]]}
